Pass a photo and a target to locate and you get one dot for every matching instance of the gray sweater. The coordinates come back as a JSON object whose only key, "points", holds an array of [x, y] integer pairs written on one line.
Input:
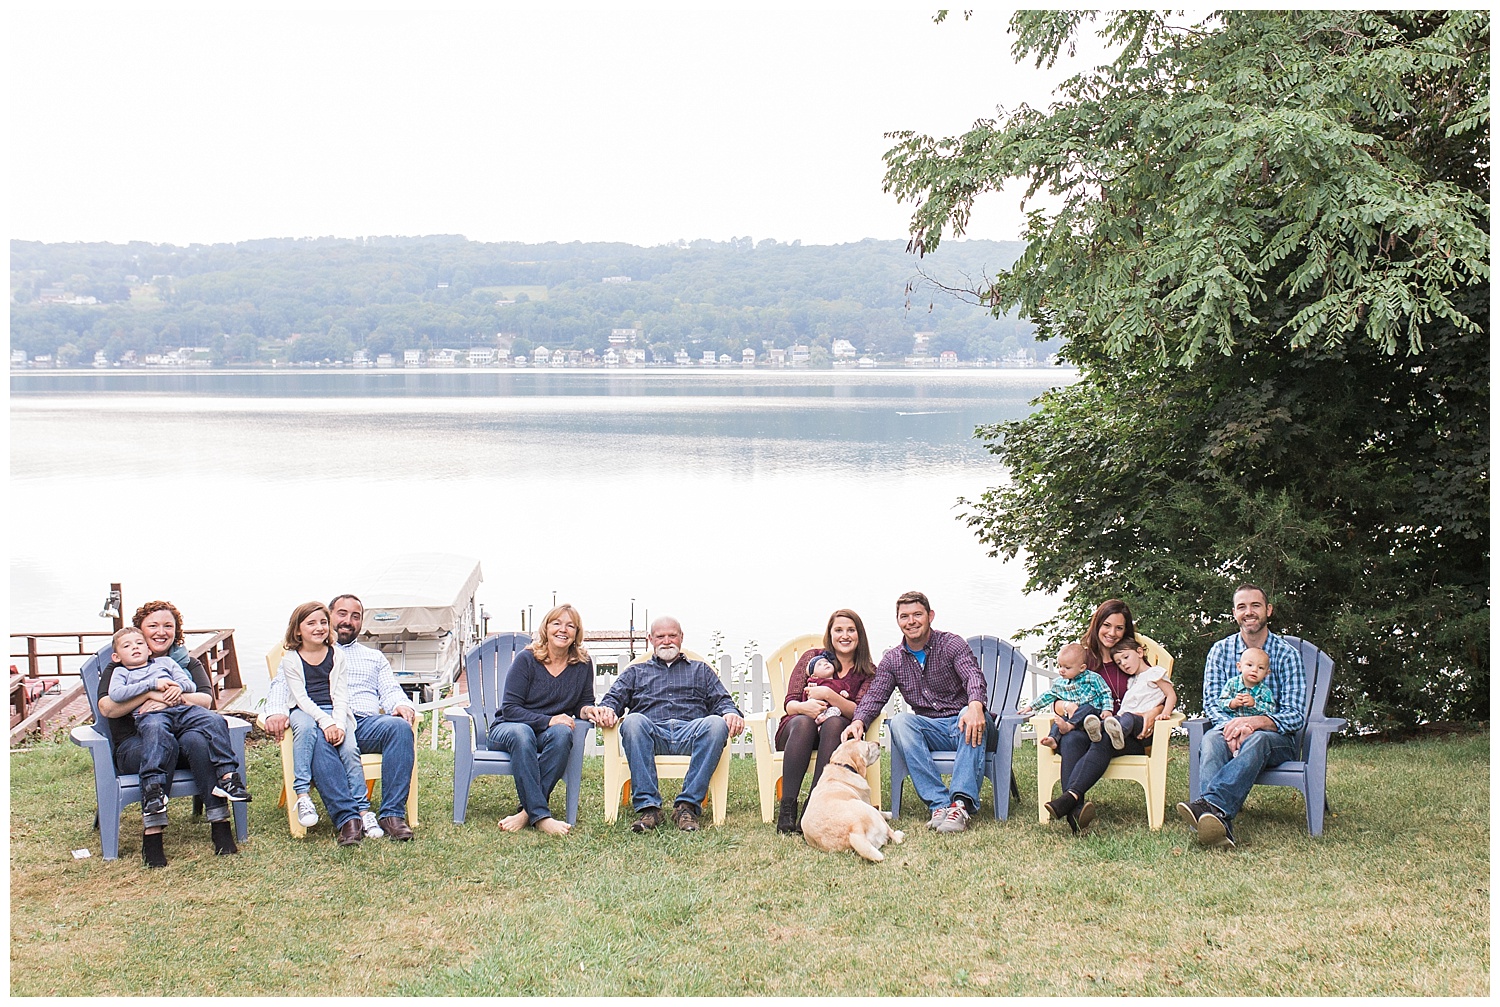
{"points": [[128, 683]]}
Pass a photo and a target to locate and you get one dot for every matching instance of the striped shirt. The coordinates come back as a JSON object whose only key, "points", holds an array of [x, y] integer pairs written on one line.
{"points": [[950, 681], [1288, 680], [371, 683]]}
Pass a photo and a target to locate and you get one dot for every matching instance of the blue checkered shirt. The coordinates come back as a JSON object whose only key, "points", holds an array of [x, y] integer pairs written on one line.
{"points": [[1089, 688], [683, 690], [1288, 680]]}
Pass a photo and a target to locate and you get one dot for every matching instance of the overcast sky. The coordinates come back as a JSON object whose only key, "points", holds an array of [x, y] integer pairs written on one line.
{"points": [[637, 126]]}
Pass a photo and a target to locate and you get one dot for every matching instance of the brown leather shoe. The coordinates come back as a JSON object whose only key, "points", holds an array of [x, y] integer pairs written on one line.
{"points": [[686, 817], [396, 828], [351, 832], [649, 819]]}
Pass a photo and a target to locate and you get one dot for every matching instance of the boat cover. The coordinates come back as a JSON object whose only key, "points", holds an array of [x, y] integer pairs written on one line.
{"points": [[417, 593]]}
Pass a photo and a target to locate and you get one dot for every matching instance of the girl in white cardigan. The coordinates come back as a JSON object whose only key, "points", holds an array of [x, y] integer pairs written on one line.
{"points": [[314, 672]]}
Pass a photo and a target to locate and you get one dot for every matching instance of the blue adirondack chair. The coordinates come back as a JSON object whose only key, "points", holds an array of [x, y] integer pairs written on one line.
{"points": [[1308, 772], [1004, 670], [485, 669], [114, 791]]}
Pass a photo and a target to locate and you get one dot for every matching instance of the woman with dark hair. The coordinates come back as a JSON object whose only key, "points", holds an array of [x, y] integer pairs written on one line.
{"points": [[1084, 762], [186, 747], [825, 687]]}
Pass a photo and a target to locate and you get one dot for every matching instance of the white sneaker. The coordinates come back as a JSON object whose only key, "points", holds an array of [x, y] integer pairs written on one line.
{"points": [[372, 824], [1116, 733], [307, 815], [955, 818], [938, 817], [1091, 727]]}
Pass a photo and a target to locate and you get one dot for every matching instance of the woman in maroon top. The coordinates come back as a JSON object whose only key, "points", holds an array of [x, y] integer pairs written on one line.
{"points": [[825, 687], [1084, 762]]}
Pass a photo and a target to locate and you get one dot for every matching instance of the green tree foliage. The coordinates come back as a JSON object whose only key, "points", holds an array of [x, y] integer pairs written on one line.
{"points": [[1267, 251]]}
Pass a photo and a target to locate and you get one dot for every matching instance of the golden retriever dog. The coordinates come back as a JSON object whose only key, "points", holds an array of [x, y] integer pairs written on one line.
{"points": [[839, 814]]}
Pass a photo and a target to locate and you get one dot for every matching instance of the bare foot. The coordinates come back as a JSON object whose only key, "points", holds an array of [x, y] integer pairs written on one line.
{"points": [[516, 822], [1049, 742], [553, 827]]}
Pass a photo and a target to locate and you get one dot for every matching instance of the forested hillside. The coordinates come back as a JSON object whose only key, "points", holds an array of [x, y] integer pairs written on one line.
{"points": [[309, 300]]}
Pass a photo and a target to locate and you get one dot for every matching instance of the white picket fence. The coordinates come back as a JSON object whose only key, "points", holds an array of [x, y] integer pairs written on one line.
{"points": [[745, 682]]}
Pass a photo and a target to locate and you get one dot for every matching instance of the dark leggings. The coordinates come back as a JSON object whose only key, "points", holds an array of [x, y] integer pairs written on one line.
{"points": [[802, 736], [1084, 761]]}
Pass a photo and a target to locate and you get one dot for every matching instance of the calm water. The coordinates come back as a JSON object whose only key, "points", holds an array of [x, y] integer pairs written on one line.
{"points": [[752, 504]]}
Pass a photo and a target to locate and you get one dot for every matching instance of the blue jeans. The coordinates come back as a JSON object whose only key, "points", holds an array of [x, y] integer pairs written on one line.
{"points": [[702, 740], [331, 777], [1084, 711], [394, 741], [305, 734], [918, 737], [537, 762], [161, 730], [191, 750], [1227, 778]]}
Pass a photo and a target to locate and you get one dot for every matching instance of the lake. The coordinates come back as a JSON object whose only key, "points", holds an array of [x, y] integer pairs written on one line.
{"points": [[749, 504]]}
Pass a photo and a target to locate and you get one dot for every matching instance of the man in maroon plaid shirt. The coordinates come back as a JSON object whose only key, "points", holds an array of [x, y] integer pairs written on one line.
{"points": [[937, 674]]}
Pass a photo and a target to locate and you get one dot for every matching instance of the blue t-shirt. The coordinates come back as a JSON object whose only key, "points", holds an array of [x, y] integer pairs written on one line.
{"points": [[919, 655]]}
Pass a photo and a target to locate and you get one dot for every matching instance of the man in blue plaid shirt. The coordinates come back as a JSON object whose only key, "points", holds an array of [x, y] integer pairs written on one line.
{"points": [[1236, 749]]}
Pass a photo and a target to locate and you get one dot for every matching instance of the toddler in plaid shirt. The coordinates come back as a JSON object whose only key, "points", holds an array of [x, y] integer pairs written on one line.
{"points": [[1247, 694], [1085, 690]]}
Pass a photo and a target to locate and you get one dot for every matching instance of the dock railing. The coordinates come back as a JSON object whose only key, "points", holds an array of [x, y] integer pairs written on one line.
{"points": [[38, 657]]}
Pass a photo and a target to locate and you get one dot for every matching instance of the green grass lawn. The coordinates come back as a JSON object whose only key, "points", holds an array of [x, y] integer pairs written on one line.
{"points": [[1393, 899]]}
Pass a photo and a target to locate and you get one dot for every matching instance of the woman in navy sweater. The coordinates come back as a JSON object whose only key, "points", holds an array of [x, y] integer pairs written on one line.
{"points": [[548, 685]]}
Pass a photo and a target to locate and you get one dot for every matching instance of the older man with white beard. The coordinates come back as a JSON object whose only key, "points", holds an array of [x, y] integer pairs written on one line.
{"points": [[677, 707]]}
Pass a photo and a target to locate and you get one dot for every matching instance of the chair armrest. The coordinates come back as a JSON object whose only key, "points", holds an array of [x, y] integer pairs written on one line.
{"points": [[88, 736], [1195, 728], [1327, 725], [1012, 718], [463, 732]]}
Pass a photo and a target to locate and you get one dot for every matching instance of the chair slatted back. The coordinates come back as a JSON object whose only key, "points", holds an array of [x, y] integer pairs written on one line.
{"points": [[485, 669], [1004, 668], [89, 674], [1319, 669], [1156, 655], [780, 664]]}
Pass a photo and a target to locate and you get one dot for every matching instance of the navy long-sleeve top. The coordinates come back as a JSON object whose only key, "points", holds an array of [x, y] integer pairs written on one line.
{"points": [[533, 696]]}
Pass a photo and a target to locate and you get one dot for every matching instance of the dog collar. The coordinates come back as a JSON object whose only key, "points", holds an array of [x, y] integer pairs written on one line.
{"points": [[844, 765]]}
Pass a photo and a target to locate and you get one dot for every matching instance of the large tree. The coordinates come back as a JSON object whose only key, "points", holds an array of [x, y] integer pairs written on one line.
{"points": [[1264, 242]]}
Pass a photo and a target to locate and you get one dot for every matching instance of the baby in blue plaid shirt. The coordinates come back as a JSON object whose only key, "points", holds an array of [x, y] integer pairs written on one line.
{"points": [[1085, 690], [1247, 694]]}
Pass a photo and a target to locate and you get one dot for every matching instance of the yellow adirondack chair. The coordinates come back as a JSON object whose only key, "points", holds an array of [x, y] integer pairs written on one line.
{"points": [[762, 727], [289, 774], [668, 767], [1149, 770]]}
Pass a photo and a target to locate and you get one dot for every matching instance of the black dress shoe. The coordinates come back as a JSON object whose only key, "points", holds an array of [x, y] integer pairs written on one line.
{"points": [[351, 832]]}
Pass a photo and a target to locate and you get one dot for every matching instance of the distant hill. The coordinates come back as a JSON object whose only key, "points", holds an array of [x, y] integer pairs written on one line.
{"points": [[326, 298]]}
